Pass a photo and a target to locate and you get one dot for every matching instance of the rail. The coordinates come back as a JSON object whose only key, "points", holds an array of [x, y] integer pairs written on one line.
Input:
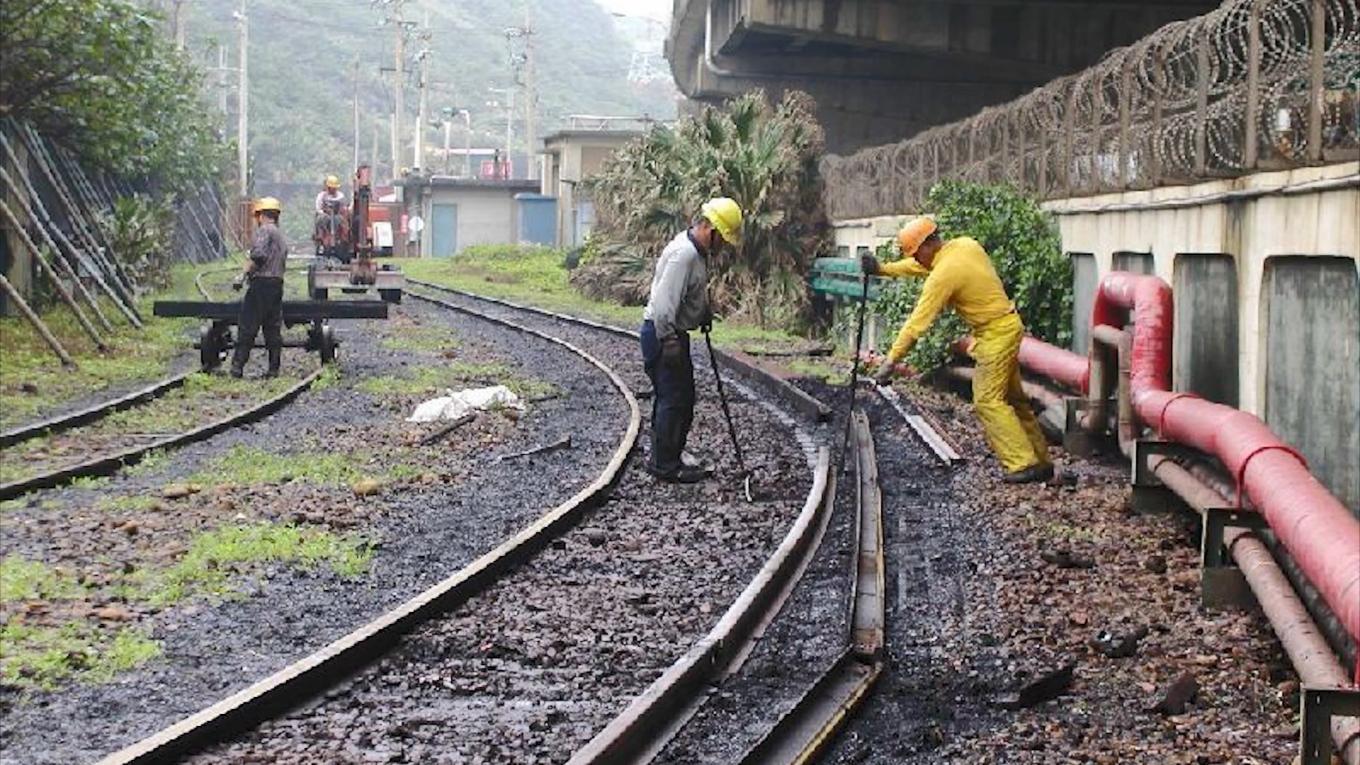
{"points": [[1253, 85]]}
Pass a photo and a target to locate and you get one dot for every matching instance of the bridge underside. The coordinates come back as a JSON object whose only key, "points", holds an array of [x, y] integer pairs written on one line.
{"points": [[883, 70]]}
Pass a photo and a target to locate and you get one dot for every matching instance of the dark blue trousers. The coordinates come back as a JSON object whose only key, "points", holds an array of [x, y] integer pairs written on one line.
{"points": [[672, 399]]}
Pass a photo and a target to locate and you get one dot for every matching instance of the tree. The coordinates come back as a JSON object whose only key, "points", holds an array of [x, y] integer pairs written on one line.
{"points": [[98, 76], [763, 156]]}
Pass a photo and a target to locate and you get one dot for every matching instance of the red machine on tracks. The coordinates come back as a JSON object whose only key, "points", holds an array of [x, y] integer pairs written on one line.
{"points": [[344, 251]]}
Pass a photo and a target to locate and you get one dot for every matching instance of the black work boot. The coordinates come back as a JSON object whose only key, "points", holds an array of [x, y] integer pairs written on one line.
{"points": [[237, 372], [1032, 474], [275, 361]]}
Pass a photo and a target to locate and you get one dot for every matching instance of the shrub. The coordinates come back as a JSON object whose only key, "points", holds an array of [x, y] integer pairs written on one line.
{"points": [[763, 156]]}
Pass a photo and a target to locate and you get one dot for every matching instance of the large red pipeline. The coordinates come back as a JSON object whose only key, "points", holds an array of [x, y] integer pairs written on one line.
{"points": [[1316, 529]]}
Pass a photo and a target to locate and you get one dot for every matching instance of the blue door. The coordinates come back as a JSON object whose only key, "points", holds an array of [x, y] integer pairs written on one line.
{"points": [[443, 230]]}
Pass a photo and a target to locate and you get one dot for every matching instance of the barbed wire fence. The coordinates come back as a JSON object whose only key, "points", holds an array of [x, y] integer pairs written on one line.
{"points": [[1254, 85]]}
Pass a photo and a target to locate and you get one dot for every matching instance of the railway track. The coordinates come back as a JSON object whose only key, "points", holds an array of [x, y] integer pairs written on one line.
{"points": [[567, 669], [112, 452]]}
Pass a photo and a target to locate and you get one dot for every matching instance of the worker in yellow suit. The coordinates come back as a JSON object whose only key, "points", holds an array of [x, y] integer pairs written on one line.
{"points": [[959, 274]]}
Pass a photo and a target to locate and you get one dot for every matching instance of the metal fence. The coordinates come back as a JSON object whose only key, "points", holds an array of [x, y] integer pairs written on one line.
{"points": [[1254, 85]]}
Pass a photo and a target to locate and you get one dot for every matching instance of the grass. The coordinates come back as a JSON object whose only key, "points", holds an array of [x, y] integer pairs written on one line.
{"points": [[41, 656], [215, 556], [32, 380], [247, 465], [536, 276], [134, 503], [22, 579], [422, 339]]}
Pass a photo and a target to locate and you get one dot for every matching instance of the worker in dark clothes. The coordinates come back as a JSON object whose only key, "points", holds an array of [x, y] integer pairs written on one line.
{"points": [[263, 303], [678, 304]]}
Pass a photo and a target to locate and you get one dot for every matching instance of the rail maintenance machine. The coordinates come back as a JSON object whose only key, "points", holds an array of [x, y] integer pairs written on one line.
{"points": [[344, 251], [344, 260]]}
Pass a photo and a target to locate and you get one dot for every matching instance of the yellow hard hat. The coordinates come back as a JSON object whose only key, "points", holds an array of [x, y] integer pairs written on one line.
{"points": [[332, 182], [725, 215], [912, 234], [268, 204]]}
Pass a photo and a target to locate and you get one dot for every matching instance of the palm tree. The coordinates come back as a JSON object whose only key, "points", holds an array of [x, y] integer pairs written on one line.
{"points": [[764, 157]]}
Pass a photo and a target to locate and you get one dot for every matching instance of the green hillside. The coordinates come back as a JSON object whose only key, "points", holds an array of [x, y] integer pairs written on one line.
{"points": [[303, 54]]}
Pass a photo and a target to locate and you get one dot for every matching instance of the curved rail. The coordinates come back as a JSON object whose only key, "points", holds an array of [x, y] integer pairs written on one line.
{"points": [[321, 669], [91, 413], [645, 726], [110, 463]]}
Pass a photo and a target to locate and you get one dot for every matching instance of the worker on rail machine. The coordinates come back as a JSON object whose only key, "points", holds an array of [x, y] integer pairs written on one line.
{"points": [[331, 198], [679, 303], [263, 303], [959, 274]]}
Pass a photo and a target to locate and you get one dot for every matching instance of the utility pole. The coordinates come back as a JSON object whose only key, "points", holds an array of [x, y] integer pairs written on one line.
{"points": [[530, 95], [398, 83], [448, 134], [355, 166], [424, 94], [222, 81], [373, 153], [467, 144], [509, 130], [242, 103], [177, 23]]}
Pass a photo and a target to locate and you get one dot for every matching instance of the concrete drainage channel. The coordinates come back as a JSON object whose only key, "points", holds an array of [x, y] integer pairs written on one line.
{"points": [[515, 580]]}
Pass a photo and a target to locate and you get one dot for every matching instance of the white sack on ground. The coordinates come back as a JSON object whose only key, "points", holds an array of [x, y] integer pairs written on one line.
{"points": [[455, 405]]}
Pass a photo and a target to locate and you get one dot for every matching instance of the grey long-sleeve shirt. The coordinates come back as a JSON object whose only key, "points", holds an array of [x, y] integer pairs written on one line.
{"points": [[269, 250], [679, 297]]}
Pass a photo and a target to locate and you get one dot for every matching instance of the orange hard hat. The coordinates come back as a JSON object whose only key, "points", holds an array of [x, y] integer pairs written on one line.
{"points": [[912, 234]]}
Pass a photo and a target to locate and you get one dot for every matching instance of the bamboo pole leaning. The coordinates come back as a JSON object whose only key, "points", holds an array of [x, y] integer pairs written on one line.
{"points": [[37, 322], [67, 268], [33, 205], [52, 276], [87, 230]]}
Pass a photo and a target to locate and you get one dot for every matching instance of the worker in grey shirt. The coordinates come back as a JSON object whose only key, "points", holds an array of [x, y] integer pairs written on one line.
{"points": [[679, 303], [263, 303]]}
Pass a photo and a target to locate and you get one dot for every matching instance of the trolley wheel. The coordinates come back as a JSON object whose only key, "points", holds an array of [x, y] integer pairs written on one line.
{"points": [[327, 344], [390, 296], [212, 348]]}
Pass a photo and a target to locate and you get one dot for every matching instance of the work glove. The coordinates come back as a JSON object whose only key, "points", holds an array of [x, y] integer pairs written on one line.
{"points": [[672, 350], [884, 375], [869, 264], [238, 282]]}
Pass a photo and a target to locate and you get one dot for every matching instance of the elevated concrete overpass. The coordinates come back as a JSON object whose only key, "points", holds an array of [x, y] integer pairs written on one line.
{"points": [[883, 70]]}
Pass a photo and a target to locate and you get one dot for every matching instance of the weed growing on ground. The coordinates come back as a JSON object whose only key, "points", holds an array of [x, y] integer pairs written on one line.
{"points": [[22, 579], [89, 482], [135, 503], [32, 380], [422, 339], [247, 465], [832, 371], [329, 377], [215, 556], [150, 462], [41, 656]]}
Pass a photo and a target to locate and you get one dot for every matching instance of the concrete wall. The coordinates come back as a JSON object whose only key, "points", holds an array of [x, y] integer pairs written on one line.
{"points": [[1296, 332], [1312, 364], [485, 216], [569, 158]]}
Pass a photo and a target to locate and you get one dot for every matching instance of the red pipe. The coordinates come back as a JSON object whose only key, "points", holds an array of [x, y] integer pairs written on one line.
{"points": [[1057, 364], [1316, 529]]}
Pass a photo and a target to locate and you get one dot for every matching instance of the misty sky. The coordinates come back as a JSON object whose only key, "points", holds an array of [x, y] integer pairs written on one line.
{"points": [[654, 9]]}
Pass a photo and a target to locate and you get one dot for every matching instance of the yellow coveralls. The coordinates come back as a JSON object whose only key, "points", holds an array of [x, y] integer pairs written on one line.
{"points": [[962, 276]]}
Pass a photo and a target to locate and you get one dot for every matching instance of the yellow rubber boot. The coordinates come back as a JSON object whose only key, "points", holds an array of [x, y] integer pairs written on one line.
{"points": [[996, 352], [1015, 396]]}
